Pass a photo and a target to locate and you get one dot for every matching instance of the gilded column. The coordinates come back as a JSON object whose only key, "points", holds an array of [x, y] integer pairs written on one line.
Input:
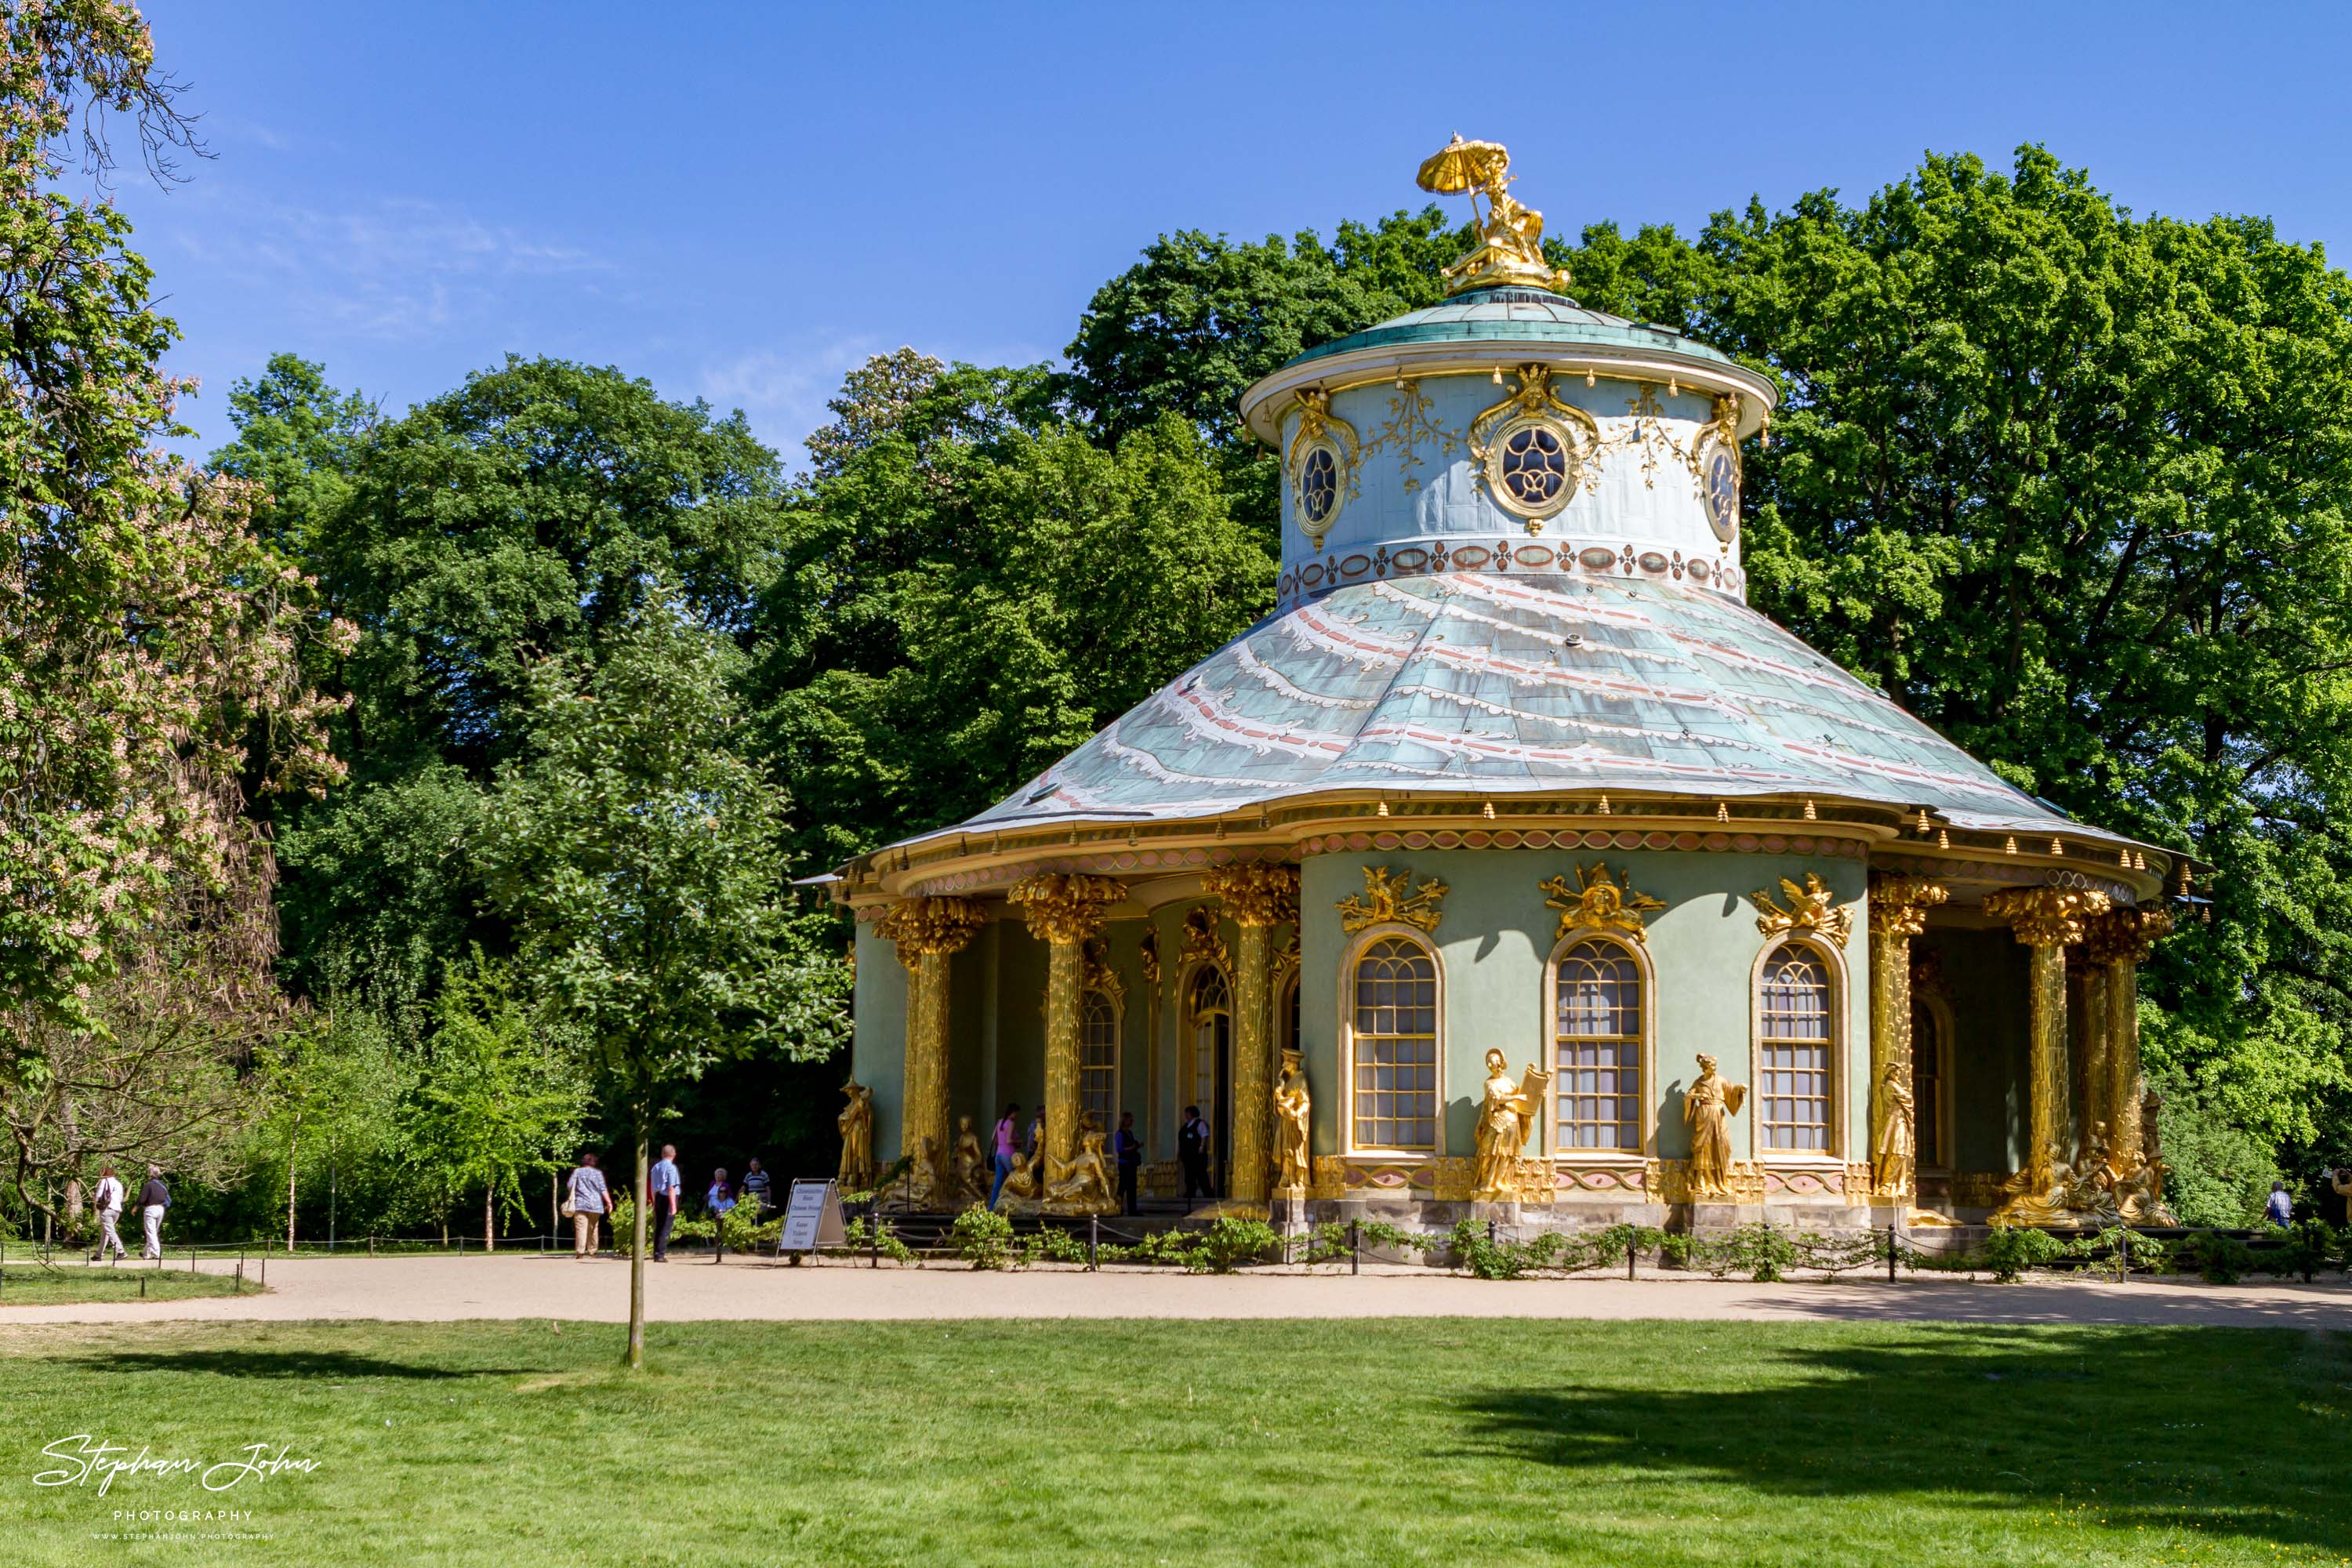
{"points": [[1898, 911], [1257, 896], [928, 933], [2120, 943], [2047, 921], [1064, 911]]}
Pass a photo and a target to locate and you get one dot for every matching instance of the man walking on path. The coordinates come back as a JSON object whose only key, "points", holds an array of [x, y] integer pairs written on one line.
{"points": [[1192, 1150], [586, 1201], [109, 1202], [662, 1185], [2280, 1210], [153, 1199]]}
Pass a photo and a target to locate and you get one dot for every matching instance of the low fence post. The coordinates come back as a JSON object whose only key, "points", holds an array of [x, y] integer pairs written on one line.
{"points": [[1355, 1246], [1093, 1239], [1890, 1252], [874, 1231], [1629, 1244], [2126, 1248]]}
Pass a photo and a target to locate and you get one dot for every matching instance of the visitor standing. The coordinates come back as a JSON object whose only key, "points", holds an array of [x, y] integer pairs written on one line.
{"points": [[1008, 1149], [662, 1188], [755, 1188], [1193, 1151], [109, 1202], [1130, 1164], [153, 1199], [587, 1202], [2280, 1210]]}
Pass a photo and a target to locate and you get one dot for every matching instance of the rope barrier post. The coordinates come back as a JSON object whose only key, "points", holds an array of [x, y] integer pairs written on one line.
{"points": [[2127, 1247], [142, 1286], [874, 1231], [1490, 1233], [1629, 1257], [1355, 1246], [265, 1268], [1890, 1252], [1094, 1240]]}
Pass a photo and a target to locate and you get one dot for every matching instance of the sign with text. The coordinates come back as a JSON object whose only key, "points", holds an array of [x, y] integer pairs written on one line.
{"points": [[811, 1217]]}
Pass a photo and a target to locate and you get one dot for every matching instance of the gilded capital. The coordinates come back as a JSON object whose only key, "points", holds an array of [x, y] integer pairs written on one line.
{"points": [[2128, 935], [1256, 892], [919, 926], [1064, 909], [1899, 905], [2046, 917]]}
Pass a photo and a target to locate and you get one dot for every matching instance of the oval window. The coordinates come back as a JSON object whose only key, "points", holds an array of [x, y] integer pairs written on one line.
{"points": [[1319, 485]]}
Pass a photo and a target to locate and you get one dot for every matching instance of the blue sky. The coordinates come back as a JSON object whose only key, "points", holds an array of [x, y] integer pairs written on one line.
{"points": [[740, 202]]}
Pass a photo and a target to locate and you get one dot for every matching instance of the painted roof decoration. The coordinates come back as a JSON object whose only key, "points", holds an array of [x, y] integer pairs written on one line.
{"points": [[1483, 683]]}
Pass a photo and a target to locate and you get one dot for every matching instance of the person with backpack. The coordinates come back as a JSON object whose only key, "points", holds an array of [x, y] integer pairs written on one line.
{"points": [[1193, 1151]]}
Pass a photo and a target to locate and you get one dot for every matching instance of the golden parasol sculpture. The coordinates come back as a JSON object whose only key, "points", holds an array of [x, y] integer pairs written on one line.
{"points": [[1510, 236]]}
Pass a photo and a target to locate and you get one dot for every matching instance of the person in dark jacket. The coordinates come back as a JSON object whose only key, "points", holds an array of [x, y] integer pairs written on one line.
{"points": [[1193, 1151], [1130, 1163], [153, 1199]]}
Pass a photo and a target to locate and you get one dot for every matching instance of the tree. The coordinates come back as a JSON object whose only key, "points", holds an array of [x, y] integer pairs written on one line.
{"points": [[497, 1097], [640, 856], [336, 1089], [150, 681], [299, 442], [965, 597]]}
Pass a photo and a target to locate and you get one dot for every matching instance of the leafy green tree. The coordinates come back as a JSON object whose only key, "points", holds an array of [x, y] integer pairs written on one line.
{"points": [[497, 1099], [336, 1093], [299, 442], [640, 856], [965, 597]]}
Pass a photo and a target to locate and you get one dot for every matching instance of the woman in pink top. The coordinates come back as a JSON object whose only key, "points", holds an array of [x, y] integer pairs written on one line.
{"points": [[1008, 1149]]}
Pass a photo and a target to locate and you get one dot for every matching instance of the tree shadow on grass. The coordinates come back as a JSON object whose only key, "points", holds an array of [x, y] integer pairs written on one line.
{"points": [[2228, 1431], [286, 1363]]}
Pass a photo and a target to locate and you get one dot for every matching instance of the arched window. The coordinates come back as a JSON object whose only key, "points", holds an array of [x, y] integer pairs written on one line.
{"points": [[1099, 1060], [1928, 1085], [1597, 1046], [1210, 1018], [1793, 1052], [1287, 1013], [1394, 1045]]}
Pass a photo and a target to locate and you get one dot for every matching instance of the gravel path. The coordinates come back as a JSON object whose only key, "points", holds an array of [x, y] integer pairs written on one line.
{"points": [[438, 1289]]}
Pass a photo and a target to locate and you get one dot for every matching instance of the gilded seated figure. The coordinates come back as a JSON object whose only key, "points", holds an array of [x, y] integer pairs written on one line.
{"points": [[1708, 1107], [1083, 1185]]}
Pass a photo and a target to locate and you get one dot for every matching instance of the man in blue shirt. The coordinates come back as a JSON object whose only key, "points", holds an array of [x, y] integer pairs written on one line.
{"points": [[663, 1184]]}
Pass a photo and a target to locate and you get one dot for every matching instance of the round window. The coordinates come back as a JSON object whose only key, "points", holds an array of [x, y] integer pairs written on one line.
{"points": [[1318, 484], [1719, 483], [1532, 466]]}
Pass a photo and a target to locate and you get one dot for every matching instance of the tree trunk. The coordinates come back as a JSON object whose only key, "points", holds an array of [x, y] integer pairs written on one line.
{"points": [[490, 1220], [293, 1143], [636, 1356]]}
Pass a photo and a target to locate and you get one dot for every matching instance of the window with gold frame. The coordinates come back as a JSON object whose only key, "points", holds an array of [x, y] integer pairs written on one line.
{"points": [[1796, 1041], [1394, 1074], [1596, 1047], [1099, 1060]]}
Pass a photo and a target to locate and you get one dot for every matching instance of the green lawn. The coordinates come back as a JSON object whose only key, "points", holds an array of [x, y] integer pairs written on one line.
{"points": [[1429, 1441], [26, 1284]]}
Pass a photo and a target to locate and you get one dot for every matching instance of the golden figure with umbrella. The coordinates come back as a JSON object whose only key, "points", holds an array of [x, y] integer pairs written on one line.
{"points": [[1510, 236]]}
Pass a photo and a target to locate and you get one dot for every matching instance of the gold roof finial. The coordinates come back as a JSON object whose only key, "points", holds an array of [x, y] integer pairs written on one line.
{"points": [[1510, 236]]}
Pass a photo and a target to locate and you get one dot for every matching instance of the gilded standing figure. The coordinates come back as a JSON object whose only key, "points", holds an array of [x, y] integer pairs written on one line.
{"points": [[1291, 1110], [1708, 1107], [1505, 1122], [856, 1124]]}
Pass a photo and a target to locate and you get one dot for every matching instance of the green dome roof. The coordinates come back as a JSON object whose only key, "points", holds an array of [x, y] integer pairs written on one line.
{"points": [[1514, 316]]}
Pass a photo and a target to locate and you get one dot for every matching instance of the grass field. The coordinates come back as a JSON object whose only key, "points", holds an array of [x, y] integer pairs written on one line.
{"points": [[32, 1285], [1395, 1441]]}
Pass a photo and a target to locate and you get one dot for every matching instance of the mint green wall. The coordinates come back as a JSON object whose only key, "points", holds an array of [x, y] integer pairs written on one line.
{"points": [[878, 1051], [1497, 936]]}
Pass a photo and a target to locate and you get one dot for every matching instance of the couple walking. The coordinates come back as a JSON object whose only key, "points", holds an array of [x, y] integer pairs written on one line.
{"points": [[154, 1198]]}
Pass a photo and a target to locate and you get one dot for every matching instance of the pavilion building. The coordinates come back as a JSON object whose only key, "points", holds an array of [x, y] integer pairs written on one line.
{"points": [[1513, 767]]}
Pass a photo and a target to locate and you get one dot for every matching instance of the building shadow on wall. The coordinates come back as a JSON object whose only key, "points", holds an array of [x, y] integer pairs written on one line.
{"points": [[2226, 1431]]}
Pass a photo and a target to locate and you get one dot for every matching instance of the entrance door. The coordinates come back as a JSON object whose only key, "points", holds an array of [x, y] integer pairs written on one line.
{"points": [[1211, 1087]]}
